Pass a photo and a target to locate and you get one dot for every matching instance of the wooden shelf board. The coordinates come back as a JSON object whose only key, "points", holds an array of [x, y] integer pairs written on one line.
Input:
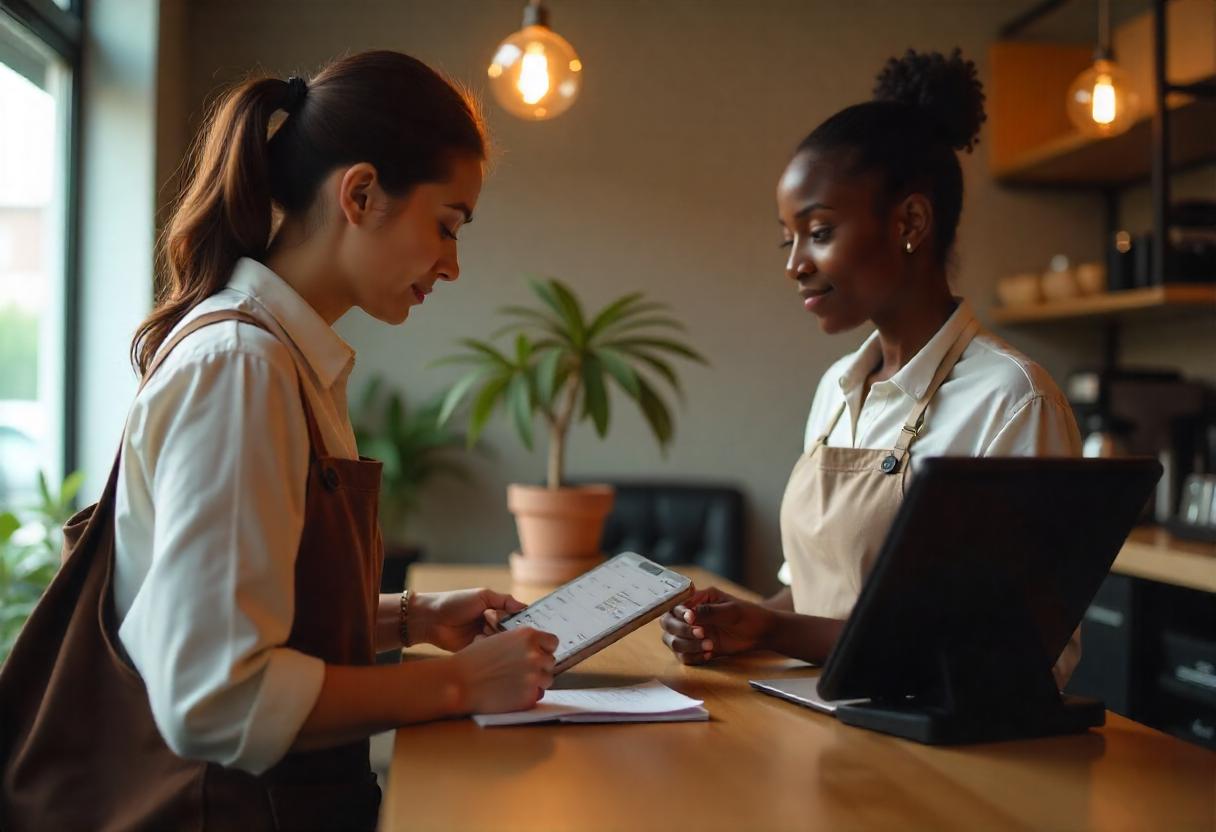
{"points": [[1130, 303], [1077, 160], [1157, 555]]}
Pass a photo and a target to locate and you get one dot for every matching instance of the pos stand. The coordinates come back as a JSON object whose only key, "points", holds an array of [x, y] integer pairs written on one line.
{"points": [[980, 695], [985, 574]]}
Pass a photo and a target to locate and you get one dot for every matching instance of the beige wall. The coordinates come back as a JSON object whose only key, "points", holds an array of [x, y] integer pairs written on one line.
{"points": [[661, 178]]}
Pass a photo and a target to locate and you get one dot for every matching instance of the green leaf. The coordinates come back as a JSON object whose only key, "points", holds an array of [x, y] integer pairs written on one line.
{"points": [[658, 365], [44, 492], [523, 350], [660, 344], [656, 412], [546, 375], [456, 395], [534, 318], [613, 312], [394, 415], [384, 450], [631, 315], [574, 312], [69, 490], [535, 315], [478, 359], [484, 405], [634, 324], [562, 301], [519, 397], [618, 367], [488, 351], [596, 397], [8, 524]]}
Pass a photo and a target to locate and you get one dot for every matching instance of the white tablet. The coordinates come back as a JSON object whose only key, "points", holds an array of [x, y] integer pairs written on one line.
{"points": [[603, 605]]}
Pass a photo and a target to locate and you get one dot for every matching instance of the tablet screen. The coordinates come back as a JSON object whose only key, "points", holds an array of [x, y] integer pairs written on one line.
{"points": [[603, 600]]}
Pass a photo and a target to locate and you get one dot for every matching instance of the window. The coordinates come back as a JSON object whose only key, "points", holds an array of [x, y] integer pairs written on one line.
{"points": [[36, 114]]}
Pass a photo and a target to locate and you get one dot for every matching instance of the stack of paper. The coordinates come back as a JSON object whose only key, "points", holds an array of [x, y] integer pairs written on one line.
{"points": [[650, 702]]}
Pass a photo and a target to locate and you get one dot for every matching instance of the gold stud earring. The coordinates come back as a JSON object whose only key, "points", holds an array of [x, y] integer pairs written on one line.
{"points": [[908, 246]]}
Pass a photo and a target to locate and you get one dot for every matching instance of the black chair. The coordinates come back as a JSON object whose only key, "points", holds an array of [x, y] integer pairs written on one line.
{"points": [[678, 523]]}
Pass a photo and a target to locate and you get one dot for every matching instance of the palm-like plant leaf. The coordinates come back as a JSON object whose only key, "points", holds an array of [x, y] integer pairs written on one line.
{"points": [[596, 400], [617, 365], [562, 359], [663, 344], [484, 405], [411, 442], [519, 397], [657, 413]]}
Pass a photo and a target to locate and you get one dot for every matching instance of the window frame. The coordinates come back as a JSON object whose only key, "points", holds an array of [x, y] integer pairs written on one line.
{"points": [[62, 31]]}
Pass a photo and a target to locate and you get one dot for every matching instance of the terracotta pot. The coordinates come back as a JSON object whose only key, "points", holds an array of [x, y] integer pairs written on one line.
{"points": [[559, 531]]}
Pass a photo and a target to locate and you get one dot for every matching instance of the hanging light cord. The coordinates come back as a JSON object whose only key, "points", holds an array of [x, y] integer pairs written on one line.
{"points": [[1104, 46]]}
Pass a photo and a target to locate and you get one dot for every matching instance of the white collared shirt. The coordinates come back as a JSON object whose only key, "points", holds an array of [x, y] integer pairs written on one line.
{"points": [[209, 514], [996, 402]]}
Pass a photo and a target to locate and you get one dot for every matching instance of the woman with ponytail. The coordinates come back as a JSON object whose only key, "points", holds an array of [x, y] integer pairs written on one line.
{"points": [[869, 208], [218, 612]]}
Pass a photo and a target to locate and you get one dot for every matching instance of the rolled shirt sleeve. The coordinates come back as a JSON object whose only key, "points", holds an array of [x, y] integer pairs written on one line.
{"points": [[208, 626]]}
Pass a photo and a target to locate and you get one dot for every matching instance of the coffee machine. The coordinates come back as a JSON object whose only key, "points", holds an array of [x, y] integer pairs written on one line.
{"points": [[1151, 413]]}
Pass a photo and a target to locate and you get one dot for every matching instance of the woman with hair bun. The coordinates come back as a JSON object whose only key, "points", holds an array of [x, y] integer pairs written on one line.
{"points": [[869, 207]]}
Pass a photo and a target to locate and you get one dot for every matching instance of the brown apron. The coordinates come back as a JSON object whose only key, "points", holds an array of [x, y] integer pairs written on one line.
{"points": [[78, 746], [840, 502]]}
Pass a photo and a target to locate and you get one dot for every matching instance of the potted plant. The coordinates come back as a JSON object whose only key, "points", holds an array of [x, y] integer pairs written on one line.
{"points": [[30, 552], [415, 449], [560, 367]]}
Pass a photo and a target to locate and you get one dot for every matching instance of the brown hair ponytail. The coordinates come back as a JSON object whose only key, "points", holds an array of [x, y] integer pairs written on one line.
{"points": [[384, 108]]}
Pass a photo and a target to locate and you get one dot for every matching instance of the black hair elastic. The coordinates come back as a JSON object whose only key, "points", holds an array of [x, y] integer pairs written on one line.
{"points": [[297, 88]]}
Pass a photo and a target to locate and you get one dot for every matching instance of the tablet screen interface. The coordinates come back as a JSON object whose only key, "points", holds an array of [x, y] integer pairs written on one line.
{"points": [[600, 602]]}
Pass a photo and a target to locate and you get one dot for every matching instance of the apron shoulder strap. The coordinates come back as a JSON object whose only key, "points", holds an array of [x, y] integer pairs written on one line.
{"points": [[823, 437], [916, 419], [316, 442]]}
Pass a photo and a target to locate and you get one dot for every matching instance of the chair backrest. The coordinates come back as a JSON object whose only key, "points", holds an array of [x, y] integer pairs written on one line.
{"points": [[678, 523]]}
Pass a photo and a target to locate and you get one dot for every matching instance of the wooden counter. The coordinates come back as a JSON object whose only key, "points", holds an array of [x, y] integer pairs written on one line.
{"points": [[764, 764], [1158, 556]]}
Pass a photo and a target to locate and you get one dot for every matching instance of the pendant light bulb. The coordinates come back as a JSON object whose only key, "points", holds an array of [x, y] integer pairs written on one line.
{"points": [[1100, 100], [535, 73]]}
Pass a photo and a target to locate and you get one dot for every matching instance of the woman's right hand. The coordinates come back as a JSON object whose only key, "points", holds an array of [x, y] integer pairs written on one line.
{"points": [[507, 671], [714, 623]]}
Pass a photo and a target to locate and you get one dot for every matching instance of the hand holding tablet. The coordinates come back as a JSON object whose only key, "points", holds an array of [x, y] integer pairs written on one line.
{"points": [[602, 606]]}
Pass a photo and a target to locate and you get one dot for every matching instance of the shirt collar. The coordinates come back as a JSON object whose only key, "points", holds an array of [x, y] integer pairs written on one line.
{"points": [[913, 378], [324, 350]]}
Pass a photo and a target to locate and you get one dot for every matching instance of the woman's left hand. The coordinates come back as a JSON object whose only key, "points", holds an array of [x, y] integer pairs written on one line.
{"points": [[451, 620]]}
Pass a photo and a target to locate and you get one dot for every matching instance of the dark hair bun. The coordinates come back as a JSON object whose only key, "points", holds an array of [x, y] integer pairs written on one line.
{"points": [[946, 89]]}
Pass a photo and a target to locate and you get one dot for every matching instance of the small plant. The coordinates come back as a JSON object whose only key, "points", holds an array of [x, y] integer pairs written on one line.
{"points": [[562, 359], [414, 448], [30, 551]]}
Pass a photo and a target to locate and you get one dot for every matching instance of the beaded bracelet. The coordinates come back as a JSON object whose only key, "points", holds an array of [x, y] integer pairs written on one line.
{"points": [[403, 625]]}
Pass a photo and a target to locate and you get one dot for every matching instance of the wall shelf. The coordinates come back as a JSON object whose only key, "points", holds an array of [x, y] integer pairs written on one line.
{"points": [[1157, 555], [1128, 305], [1080, 161]]}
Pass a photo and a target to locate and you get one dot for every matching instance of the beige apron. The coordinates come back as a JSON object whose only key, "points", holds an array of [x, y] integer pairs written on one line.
{"points": [[840, 502]]}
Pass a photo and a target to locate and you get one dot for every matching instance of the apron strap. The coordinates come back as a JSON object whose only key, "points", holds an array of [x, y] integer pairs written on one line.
{"points": [[316, 442], [823, 438], [916, 419]]}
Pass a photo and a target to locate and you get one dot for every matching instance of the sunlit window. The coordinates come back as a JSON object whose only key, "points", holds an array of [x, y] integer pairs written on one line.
{"points": [[33, 162]]}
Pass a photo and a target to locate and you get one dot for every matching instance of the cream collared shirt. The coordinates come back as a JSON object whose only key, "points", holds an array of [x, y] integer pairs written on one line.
{"points": [[996, 402], [210, 510]]}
